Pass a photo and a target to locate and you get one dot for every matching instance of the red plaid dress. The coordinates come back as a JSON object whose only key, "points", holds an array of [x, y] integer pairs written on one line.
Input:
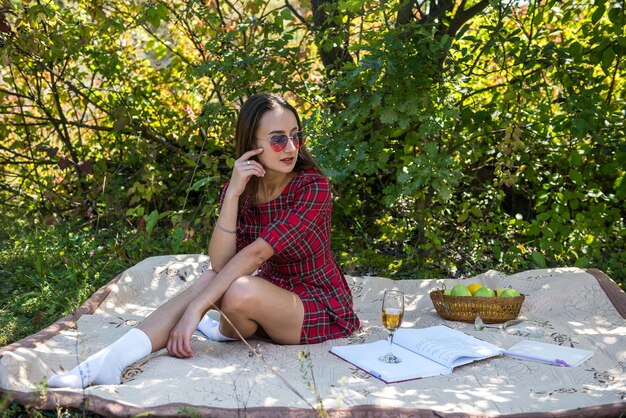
{"points": [[297, 225]]}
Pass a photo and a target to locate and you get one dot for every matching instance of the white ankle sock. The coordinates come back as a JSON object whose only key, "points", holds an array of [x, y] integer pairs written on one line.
{"points": [[106, 366], [211, 328]]}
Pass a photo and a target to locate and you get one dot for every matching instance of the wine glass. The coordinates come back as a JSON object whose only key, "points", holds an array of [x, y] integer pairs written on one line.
{"points": [[393, 311], [520, 327]]}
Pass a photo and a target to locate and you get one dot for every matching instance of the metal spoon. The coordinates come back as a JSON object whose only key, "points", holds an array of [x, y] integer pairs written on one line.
{"points": [[526, 329], [479, 325]]}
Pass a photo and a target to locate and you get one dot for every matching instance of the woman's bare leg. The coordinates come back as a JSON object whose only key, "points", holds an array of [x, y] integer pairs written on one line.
{"points": [[252, 302], [160, 323], [106, 366]]}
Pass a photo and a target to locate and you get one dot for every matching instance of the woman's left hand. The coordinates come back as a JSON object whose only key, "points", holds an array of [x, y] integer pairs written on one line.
{"points": [[179, 341]]}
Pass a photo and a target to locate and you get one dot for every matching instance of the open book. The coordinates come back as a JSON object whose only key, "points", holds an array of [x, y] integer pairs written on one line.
{"points": [[437, 350], [424, 352]]}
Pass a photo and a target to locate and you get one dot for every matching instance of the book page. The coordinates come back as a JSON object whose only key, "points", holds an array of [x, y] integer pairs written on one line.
{"points": [[447, 351], [445, 345], [366, 357]]}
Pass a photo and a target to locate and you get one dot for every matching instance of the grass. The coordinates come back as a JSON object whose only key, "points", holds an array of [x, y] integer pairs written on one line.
{"points": [[49, 271]]}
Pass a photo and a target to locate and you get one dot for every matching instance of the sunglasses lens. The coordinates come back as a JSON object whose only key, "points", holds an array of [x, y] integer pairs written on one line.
{"points": [[279, 142], [298, 139]]}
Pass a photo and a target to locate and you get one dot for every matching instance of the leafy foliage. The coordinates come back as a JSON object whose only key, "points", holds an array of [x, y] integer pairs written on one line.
{"points": [[549, 137], [507, 138]]}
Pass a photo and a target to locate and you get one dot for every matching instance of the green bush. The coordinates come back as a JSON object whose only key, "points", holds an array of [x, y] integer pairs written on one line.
{"points": [[457, 140]]}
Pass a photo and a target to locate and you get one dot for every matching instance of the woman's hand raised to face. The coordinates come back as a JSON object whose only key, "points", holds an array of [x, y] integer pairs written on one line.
{"points": [[243, 169]]}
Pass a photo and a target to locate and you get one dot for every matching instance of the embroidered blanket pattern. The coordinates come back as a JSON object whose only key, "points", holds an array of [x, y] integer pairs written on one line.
{"points": [[229, 379]]}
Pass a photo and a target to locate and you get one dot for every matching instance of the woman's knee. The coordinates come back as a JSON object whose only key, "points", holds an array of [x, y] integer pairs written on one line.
{"points": [[241, 295]]}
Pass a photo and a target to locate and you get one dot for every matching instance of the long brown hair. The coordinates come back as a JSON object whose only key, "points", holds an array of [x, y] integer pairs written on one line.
{"points": [[245, 133]]}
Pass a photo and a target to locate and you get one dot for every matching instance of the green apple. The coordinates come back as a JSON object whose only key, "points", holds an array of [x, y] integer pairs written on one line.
{"points": [[447, 292], [500, 290], [460, 290], [485, 292], [510, 293]]}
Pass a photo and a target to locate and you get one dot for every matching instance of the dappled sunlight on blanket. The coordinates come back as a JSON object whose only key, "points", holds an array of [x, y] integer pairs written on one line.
{"points": [[229, 377]]}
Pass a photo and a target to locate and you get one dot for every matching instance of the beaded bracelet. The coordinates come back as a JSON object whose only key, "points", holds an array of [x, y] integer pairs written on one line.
{"points": [[221, 228]]}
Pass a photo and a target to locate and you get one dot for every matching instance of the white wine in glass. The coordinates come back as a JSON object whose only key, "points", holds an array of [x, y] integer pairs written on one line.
{"points": [[393, 311]]}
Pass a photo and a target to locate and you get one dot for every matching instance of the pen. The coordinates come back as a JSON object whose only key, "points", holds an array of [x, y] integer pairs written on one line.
{"points": [[557, 361]]}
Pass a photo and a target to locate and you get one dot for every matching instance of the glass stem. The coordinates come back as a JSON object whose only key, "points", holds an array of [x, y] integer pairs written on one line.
{"points": [[390, 342]]}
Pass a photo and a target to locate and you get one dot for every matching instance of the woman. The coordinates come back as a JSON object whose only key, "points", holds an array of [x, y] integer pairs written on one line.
{"points": [[272, 271]]}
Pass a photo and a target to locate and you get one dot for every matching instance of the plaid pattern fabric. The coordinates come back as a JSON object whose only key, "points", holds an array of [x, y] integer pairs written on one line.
{"points": [[297, 225]]}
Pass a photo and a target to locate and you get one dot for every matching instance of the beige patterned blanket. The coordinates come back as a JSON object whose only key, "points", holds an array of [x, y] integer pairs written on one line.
{"points": [[577, 308]]}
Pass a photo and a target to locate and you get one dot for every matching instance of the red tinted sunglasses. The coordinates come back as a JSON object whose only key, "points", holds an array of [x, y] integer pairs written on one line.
{"points": [[279, 142]]}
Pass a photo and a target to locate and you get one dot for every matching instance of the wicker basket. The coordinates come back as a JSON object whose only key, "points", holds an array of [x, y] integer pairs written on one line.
{"points": [[467, 308]]}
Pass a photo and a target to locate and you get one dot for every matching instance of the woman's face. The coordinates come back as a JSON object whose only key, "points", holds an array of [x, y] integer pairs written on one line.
{"points": [[273, 123]]}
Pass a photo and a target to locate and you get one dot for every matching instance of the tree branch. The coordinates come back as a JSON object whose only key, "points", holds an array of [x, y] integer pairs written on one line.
{"points": [[141, 130], [438, 10], [162, 42], [13, 93], [234, 9], [405, 13], [186, 23], [65, 135], [494, 86], [296, 14], [609, 94], [15, 153], [36, 162], [335, 57], [462, 16]]}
